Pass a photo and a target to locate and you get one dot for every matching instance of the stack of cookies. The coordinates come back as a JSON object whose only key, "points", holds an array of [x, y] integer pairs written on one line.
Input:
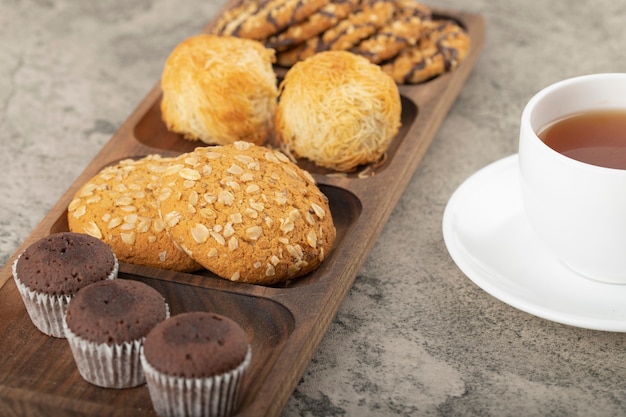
{"points": [[400, 35], [242, 211]]}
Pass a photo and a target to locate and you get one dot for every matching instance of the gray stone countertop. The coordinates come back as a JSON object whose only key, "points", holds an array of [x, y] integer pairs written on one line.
{"points": [[414, 336]]}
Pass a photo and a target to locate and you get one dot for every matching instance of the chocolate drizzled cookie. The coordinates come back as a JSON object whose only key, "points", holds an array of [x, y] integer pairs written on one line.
{"points": [[444, 46], [403, 30], [325, 18], [261, 19], [371, 16]]}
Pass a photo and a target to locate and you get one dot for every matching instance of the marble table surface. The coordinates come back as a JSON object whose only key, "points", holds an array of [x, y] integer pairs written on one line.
{"points": [[414, 336]]}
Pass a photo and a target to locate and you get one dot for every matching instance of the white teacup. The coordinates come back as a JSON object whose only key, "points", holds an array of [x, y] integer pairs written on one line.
{"points": [[577, 209]]}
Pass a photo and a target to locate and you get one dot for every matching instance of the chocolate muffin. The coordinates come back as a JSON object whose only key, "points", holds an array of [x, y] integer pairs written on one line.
{"points": [[51, 271], [106, 324], [195, 364]]}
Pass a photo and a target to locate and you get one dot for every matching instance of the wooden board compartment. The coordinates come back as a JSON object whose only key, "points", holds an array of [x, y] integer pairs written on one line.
{"points": [[285, 323]]}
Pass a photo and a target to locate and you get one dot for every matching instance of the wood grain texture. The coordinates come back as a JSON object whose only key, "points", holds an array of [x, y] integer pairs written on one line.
{"points": [[285, 323]]}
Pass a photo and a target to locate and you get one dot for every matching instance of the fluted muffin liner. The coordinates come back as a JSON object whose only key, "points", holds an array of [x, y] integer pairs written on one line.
{"points": [[108, 365], [215, 396], [47, 311]]}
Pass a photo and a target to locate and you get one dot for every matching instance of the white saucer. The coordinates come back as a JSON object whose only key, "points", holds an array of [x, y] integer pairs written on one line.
{"points": [[491, 241]]}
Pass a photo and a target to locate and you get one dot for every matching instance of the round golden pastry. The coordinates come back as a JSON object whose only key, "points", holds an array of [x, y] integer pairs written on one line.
{"points": [[338, 110], [246, 213], [118, 207], [219, 89]]}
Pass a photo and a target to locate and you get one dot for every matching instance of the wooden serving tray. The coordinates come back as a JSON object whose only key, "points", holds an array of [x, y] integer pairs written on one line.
{"points": [[285, 323]]}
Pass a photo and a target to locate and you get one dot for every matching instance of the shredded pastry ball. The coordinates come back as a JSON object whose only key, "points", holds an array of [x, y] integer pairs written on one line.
{"points": [[220, 89], [338, 110]]}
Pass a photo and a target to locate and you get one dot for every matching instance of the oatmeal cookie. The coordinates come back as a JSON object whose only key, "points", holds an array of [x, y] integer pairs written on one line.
{"points": [[246, 213], [261, 19], [444, 46], [118, 206], [344, 35], [326, 17], [405, 29]]}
